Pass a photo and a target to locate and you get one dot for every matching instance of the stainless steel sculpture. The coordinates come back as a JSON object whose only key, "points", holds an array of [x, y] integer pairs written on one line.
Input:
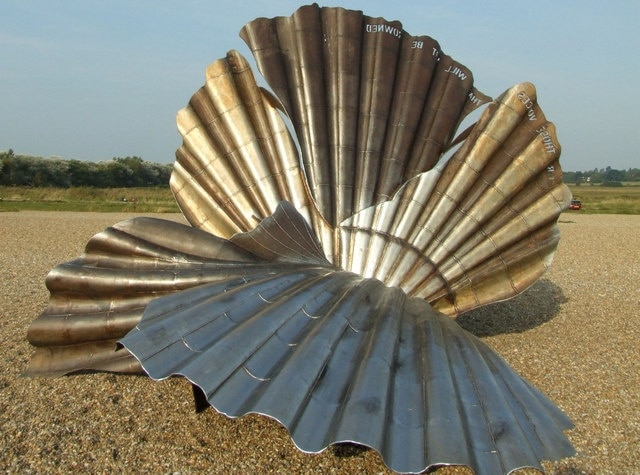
{"points": [[316, 288]]}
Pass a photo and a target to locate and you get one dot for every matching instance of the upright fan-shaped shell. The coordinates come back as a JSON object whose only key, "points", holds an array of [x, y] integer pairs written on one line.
{"points": [[372, 106], [479, 228]]}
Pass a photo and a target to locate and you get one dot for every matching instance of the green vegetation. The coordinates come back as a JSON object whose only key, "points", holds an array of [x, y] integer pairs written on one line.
{"points": [[132, 185], [127, 172], [135, 200], [595, 199], [126, 184], [598, 199], [606, 176]]}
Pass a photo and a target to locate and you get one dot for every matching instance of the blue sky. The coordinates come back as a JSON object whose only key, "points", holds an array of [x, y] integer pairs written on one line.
{"points": [[93, 80]]}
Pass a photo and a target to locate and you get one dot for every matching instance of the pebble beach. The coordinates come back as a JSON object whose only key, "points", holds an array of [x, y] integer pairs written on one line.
{"points": [[575, 335]]}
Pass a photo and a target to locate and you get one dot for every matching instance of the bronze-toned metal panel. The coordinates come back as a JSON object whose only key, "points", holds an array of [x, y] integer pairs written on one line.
{"points": [[448, 224], [238, 160], [326, 65], [99, 297]]}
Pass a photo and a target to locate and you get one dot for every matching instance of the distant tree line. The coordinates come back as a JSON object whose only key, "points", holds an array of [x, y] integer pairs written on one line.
{"points": [[127, 172], [605, 176]]}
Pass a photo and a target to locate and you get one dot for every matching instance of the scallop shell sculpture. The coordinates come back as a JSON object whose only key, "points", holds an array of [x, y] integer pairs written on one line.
{"points": [[316, 287]]}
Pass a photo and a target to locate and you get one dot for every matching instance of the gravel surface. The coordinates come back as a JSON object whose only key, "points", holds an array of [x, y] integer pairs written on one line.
{"points": [[575, 335]]}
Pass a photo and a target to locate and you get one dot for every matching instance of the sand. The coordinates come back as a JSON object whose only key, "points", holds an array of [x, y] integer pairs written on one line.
{"points": [[575, 335]]}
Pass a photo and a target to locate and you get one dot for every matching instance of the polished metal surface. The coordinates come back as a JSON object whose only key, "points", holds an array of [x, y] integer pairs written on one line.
{"points": [[316, 287], [237, 160], [99, 297], [372, 106], [337, 357], [479, 228]]}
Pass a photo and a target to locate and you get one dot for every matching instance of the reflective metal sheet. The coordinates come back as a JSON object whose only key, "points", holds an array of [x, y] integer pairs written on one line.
{"points": [[372, 106], [99, 297], [480, 228], [337, 357], [237, 161]]}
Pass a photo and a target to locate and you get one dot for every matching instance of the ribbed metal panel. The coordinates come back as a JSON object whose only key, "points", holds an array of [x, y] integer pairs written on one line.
{"points": [[99, 297], [478, 229], [372, 106], [337, 357], [238, 160]]}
